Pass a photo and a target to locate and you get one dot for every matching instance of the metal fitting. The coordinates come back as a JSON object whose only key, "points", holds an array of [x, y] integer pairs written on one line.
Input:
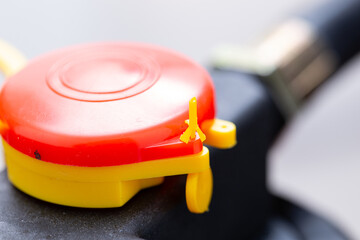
{"points": [[292, 61]]}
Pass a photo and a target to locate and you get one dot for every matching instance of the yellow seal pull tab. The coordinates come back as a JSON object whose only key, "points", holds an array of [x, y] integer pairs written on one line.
{"points": [[193, 124]]}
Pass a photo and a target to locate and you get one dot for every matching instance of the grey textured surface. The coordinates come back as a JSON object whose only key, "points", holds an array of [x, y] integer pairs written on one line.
{"points": [[24, 217]]}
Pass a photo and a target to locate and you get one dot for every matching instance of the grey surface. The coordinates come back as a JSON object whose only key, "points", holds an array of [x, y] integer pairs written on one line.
{"points": [[316, 162], [24, 217], [191, 27]]}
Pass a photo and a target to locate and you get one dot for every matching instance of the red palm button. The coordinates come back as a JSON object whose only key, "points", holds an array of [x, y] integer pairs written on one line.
{"points": [[105, 104]]}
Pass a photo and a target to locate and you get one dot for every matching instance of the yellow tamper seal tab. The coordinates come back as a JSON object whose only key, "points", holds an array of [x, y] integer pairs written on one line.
{"points": [[193, 124]]}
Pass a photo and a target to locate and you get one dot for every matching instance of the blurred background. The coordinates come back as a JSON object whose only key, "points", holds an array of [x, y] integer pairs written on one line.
{"points": [[316, 160]]}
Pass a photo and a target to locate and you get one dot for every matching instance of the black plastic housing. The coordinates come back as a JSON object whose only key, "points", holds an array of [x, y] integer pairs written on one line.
{"points": [[240, 206]]}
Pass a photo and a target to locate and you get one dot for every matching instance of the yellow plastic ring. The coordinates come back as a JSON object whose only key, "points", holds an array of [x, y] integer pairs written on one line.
{"points": [[199, 187]]}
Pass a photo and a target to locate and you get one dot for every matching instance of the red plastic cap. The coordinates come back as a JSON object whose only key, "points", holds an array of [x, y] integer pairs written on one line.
{"points": [[105, 104]]}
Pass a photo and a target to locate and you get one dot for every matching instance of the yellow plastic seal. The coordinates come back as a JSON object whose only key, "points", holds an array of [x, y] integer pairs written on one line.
{"points": [[190, 132], [199, 187], [105, 187]]}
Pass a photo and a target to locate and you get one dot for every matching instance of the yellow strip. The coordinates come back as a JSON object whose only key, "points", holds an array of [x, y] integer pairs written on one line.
{"points": [[149, 169], [76, 194]]}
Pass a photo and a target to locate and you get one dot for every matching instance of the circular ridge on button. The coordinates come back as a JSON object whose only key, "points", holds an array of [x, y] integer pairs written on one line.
{"points": [[102, 76]]}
